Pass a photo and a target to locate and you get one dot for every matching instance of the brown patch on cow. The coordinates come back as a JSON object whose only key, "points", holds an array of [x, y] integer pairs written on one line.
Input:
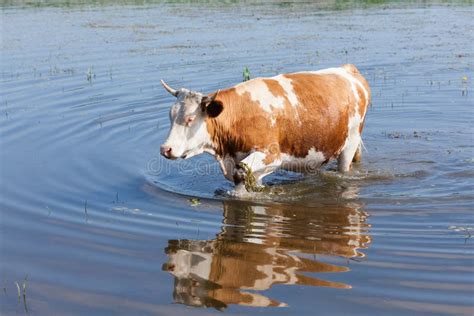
{"points": [[320, 121], [328, 104], [269, 158], [241, 127], [272, 153], [362, 101]]}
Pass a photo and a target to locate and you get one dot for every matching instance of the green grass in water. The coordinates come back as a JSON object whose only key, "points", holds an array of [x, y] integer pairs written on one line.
{"points": [[249, 181], [246, 74]]}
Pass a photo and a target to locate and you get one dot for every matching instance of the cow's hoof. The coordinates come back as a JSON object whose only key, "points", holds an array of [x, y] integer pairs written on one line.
{"points": [[239, 175]]}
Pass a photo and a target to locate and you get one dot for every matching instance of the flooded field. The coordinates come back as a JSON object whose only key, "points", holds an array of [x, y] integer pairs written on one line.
{"points": [[95, 222]]}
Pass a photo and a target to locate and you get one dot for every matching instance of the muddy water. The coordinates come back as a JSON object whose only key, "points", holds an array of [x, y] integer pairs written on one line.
{"points": [[99, 224]]}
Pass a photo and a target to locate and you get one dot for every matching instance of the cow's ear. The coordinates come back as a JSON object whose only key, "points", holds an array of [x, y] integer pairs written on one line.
{"points": [[212, 108]]}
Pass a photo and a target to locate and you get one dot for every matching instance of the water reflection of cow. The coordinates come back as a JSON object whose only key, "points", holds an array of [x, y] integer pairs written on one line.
{"points": [[260, 246]]}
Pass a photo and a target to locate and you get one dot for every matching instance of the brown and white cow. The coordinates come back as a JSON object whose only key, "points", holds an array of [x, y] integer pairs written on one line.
{"points": [[296, 121]]}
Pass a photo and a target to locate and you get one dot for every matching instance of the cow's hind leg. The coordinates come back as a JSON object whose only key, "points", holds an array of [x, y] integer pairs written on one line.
{"points": [[349, 153], [358, 153]]}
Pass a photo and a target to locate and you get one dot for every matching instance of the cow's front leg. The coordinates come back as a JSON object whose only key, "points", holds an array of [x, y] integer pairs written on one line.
{"points": [[228, 167], [251, 170]]}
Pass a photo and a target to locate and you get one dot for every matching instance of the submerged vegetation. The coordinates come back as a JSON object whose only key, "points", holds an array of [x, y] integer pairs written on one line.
{"points": [[250, 182], [194, 201], [21, 292], [90, 74]]}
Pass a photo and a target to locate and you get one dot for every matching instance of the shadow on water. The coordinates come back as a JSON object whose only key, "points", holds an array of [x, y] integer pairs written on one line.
{"points": [[260, 246]]}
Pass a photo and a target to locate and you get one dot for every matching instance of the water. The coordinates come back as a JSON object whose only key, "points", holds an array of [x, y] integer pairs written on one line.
{"points": [[99, 224]]}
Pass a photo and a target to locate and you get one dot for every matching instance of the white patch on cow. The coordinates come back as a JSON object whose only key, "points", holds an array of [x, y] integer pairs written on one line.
{"points": [[291, 273], [199, 142], [267, 270], [350, 193], [355, 244], [187, 263], [351, 144], [287, 85], [259, 92], [259, 300], [312, 161], [259, 210], [259, 168], [253, 240], [265, 282]]}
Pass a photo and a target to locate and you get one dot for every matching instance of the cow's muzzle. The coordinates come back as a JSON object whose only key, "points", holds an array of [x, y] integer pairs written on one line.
{"points": [[166, 152]]}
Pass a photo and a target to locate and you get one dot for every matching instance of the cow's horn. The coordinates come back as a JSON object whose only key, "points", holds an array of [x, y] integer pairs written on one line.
{"points": [[169, 89], [206, 100], [214, 96]]}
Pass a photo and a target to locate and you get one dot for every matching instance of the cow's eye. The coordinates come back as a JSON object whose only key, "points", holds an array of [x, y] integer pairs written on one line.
{"points": [[190, 119]]}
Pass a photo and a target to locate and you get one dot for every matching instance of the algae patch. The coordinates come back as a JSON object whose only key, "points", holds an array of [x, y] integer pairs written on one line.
{"points": [[250, 182]]}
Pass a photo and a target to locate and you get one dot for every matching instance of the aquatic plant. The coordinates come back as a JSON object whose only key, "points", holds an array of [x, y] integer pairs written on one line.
{"points": [[194, 201], [246, 74], [90, 74], [85, 210], [249, 180], [21, 292]]}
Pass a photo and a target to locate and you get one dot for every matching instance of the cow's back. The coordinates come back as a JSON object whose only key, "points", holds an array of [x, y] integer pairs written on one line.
{"points": [[292, 114]]}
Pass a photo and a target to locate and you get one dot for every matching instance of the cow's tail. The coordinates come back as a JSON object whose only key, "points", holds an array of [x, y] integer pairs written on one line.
{"points": [[362, 145]]}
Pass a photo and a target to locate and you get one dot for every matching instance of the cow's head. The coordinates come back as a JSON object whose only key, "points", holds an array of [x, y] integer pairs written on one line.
{"points": [[188, 135]]}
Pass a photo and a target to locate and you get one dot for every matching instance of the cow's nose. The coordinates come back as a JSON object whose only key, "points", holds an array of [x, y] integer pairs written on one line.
{"points": [[166, 151]]}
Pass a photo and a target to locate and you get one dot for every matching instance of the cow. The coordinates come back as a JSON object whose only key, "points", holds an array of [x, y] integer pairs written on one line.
{"points": [[295, 121]]}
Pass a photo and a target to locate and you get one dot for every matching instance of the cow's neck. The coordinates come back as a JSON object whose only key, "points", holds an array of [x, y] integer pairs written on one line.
{"points": [[226, 139], [218, 135]]}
